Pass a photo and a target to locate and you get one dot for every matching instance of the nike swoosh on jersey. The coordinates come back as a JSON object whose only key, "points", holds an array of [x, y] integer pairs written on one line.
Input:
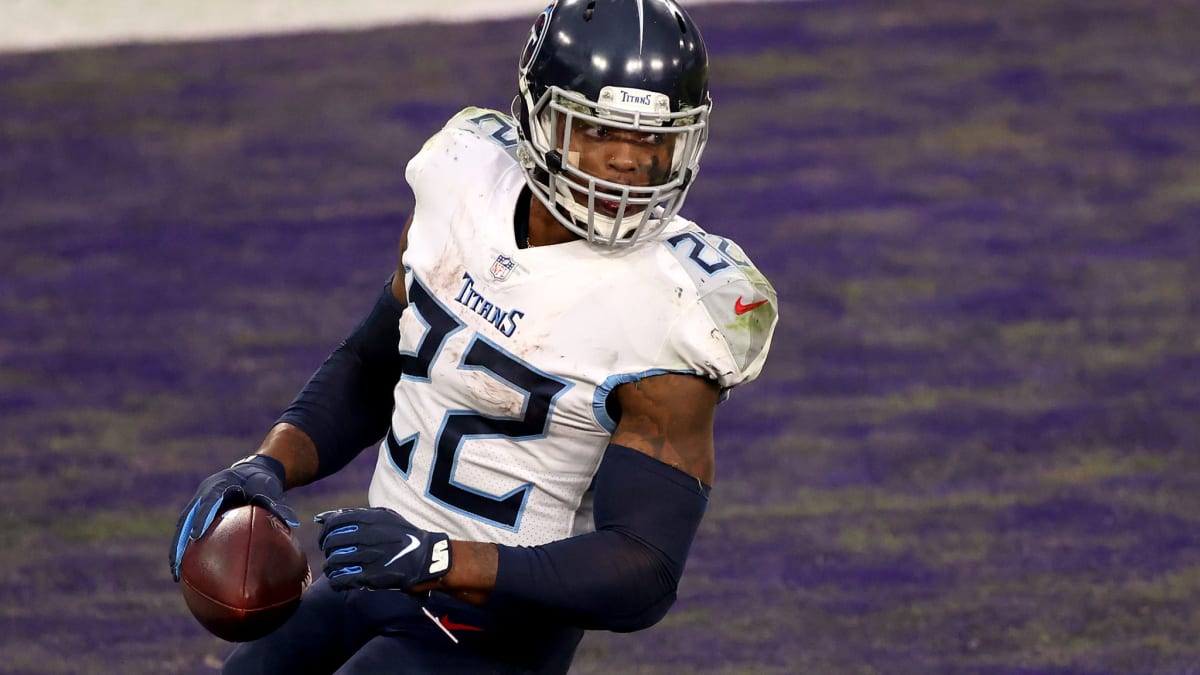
{"points": [[413, 543], [739, 308], [450, 625]]}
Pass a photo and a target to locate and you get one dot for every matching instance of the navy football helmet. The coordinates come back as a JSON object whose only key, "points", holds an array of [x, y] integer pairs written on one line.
{"points": [[634, 65]]}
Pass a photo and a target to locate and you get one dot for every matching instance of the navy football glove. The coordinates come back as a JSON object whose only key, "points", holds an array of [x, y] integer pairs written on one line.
{"points": [[256, 480], [377, 548]]}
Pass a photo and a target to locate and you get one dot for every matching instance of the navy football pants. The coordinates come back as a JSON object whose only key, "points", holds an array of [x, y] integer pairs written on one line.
{"points": [[379, 632]]}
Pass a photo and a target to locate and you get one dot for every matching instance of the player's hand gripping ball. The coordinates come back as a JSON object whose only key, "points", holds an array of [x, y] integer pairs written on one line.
{"points": [[244, 577], [377, 548], [257, 480]]}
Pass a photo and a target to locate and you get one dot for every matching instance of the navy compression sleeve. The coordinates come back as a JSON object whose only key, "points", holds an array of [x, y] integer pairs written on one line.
{"points": [[623, 576], [347, 403]]}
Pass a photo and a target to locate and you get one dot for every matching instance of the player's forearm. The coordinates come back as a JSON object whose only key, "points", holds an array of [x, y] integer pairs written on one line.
{"points": [[472, 573], [622, 577], [603, 580], [295, 450]]}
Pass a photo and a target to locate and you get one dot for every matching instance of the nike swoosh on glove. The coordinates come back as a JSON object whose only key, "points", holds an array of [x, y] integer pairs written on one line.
{"points": [[256, 480], [377, 548]]}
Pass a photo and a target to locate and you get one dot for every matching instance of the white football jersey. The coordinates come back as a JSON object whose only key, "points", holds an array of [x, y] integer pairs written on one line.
{"points": [[510, 354]]}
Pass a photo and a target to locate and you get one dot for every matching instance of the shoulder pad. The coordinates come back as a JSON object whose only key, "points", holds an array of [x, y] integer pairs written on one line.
{"points": [[740, 303], [491, 125], [473, 145]]}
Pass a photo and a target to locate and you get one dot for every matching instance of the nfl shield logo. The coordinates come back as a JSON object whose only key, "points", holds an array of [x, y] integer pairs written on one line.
{"points": [[502, 267]]}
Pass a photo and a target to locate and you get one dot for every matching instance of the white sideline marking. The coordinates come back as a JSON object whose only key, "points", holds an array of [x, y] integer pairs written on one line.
{"points": [[36, 25]]}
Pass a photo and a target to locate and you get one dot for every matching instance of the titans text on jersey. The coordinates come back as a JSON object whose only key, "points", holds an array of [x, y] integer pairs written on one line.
{"points": [[503, 319]]}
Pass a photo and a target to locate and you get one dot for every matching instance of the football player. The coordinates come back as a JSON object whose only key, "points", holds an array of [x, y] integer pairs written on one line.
{"points": [[544, 369]]}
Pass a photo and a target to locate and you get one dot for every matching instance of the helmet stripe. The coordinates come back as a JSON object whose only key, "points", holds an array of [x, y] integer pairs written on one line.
{"points": [[641, 28]]}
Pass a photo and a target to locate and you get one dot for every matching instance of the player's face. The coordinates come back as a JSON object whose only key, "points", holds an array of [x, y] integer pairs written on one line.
{"points": [[625, 156]]}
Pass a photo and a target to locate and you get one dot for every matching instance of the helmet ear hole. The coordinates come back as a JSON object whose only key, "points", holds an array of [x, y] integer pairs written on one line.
{"points": [[589, 10], [678, 20]]}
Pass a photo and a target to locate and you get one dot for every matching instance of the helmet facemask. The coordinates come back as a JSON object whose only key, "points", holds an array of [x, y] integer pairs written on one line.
{"points": [[602, 211]]}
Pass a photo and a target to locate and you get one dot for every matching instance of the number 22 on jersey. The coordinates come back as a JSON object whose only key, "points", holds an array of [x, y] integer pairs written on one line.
{"points": [[458, 426]]}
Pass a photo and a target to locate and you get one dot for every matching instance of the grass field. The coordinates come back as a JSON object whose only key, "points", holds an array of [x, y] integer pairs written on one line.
{"points": [[973, 450]]}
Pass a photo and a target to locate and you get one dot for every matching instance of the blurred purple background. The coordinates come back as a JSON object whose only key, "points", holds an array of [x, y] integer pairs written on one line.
{"points": [[973, 450]]}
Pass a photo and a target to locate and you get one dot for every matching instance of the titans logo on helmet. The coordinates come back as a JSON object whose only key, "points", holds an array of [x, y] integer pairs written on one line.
{"points": [[537, 35]]}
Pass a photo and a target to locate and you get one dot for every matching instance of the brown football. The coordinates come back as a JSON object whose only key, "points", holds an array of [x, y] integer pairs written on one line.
{"points": [[245, 576]]}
